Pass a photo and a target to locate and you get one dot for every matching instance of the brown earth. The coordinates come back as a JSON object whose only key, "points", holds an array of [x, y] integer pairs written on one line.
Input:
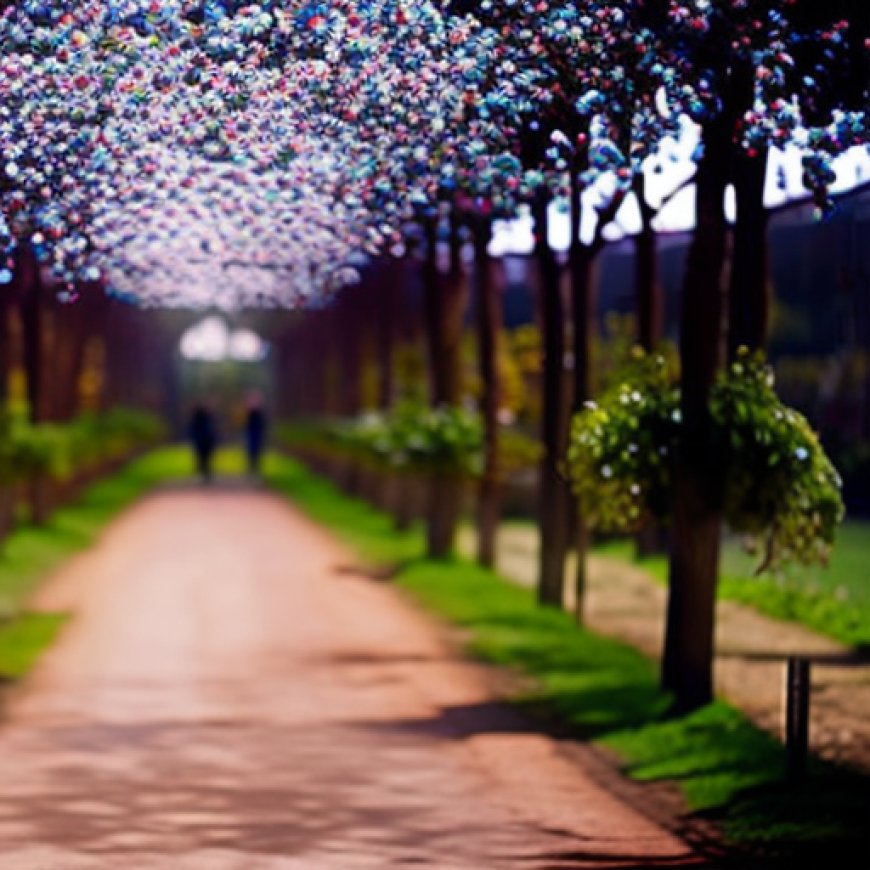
{"points": [[230, 695], [751, 649]]}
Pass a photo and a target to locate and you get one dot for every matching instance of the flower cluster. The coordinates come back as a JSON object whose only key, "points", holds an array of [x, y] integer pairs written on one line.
{"points": [[135, 133]]}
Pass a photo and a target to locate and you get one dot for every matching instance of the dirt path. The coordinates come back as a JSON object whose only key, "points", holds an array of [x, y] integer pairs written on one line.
{"points": [[229, 695], [751, 649]]}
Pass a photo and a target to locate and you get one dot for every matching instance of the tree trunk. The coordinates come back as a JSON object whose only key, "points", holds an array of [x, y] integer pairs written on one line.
{"points": [[445, 307], [749, 301], [648, 291], [432, 319], [33, 334], [582, 258], [649, 306], [32, 323], [7, 491], [5, 349], [444, 310], [70, 338], [554, 496], [351, 356], [488, 325], [687, 666], [387, 302]]}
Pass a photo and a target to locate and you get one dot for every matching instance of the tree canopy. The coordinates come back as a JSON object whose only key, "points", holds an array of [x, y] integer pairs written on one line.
{"points": [[255, 153]]}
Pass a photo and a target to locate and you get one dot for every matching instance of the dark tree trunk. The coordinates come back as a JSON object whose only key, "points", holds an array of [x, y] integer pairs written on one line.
{"points": [[582, 258], [330, 398], [489, 321], [351, 355], [687, 667], [445, 307], [554, 496], [7, 492], [33, 335], [648, 292], [388, 294], [649, 306], [71, 335], [5, 349], [432, 319], [749, 300], [31, 291]]}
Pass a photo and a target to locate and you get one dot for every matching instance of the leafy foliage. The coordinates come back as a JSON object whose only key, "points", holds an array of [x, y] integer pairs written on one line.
{"points": [[445, 440], [59, 450], [781, 490], [621, 447], [413, 438]]}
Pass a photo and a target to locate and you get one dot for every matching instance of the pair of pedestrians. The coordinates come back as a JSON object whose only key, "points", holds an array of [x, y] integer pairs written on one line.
{"points": [[204, 438]]}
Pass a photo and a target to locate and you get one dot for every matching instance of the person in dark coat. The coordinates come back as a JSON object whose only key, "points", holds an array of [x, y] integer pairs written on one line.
{"points": [[255, 434], [203, 437]]}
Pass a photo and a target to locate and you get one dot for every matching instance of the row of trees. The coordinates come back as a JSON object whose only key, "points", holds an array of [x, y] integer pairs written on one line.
{"points": [[345, 128], [749, 65]]}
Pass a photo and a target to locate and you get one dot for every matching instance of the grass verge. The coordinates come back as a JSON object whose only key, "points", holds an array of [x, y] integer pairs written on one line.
{"points": [[727, 769]]}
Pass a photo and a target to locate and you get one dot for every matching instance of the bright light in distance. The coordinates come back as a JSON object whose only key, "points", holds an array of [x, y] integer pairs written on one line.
{"points": [[247, 346], [211, 340]]}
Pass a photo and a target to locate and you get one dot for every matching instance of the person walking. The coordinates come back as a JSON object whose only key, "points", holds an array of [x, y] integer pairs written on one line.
{"points": [[255, 434], [203, 437]]}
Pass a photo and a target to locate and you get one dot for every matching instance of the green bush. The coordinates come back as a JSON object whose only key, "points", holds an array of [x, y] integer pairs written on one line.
{"points": [[412, 438], [59, 450], [367, 437], [28, 451], [781, 490], [446, 440], [621, 447]]}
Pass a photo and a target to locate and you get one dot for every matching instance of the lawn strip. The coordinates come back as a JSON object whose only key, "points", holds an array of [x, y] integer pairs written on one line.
{"points": [[832, 600]]}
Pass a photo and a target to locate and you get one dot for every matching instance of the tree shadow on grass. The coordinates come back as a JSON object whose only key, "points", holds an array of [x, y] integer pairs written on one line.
{"points": [[821, 822]]}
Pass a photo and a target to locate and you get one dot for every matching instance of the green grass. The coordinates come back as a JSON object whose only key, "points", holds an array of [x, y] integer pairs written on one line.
{"points": [[727, 769], [23, 639], [834, 600], [369, 533]]}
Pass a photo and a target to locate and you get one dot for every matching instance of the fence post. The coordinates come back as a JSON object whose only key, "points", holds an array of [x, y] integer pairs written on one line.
{"points": [[797, 717]]}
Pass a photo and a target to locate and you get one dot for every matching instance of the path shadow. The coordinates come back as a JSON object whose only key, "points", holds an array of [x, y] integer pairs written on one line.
{"points": [[329, 797], [372, 657], [463, 722], [380, 573]]}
